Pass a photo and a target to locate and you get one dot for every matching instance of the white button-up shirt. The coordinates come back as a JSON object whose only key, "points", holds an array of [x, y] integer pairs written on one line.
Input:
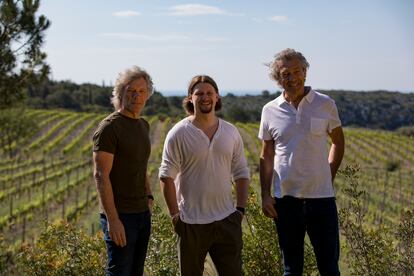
{"points": [[202, 169], [301, 167]]}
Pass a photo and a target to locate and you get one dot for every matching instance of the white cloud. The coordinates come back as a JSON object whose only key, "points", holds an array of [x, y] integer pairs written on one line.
{"points": [[257, 20], [126, 13], [144, 37], [196, 9], [215, 39], [278, 18]]}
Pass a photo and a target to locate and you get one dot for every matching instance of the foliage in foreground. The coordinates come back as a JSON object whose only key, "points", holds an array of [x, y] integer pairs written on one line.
{"points": [[261, 252], [162, 249], [374, 251], [64, 250], [6, 257]]}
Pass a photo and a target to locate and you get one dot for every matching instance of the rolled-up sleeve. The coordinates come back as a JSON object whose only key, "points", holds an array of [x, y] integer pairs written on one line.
{"points": [[239, 163], [170, 158]]}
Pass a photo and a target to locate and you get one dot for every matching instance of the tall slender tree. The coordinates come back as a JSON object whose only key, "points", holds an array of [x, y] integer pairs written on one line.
{"points": [[21, 58]]}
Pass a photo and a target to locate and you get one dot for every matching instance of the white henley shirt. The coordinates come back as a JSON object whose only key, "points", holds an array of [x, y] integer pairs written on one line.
{"points": [[203, 170]]}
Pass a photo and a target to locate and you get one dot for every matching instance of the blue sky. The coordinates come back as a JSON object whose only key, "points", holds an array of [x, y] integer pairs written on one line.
{"points": [[357, 45]]}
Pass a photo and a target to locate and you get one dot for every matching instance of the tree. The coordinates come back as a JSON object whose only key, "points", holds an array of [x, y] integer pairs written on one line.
{"points": [[21, 37], [14, 127]]}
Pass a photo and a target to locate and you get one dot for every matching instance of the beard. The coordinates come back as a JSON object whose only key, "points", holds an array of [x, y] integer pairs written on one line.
{"points": [[206, 108], [134, 108]]}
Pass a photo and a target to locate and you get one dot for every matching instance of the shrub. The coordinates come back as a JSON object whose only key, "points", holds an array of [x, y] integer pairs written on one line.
{"points": [[406, 130], [261, 252], [405, 236], [374, 251], [162, 256], [392, 165], [6, 257], [64, 250]]}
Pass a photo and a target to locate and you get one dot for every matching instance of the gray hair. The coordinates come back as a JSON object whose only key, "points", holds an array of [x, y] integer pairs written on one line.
{"points": [[124, 79], [286, 54]]}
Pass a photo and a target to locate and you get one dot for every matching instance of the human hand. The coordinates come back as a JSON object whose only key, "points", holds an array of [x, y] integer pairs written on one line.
{"points": [[117, 232], [268, 208], [175, 218]]}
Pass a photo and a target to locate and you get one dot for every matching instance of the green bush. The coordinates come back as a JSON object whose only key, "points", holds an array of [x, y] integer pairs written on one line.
{"points": [[261, 252], [376, 250], [6, 257], [162, 256], [392, 165], [63, 250], [369, 250], [406, 130]]}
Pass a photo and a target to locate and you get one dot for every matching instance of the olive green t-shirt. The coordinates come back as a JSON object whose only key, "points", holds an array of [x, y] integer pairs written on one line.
{"points": [[128, 140]]}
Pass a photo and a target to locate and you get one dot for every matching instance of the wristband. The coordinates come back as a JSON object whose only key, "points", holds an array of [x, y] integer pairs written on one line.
{"points": [[150, 197], [241, 210]]}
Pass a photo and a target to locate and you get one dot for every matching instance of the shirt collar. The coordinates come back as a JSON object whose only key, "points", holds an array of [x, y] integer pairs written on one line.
{"points": [[309, 97], [280, 100]]}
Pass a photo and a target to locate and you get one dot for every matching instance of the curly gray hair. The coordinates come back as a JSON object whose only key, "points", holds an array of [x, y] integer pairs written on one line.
{"points": [[124, 79], [286, 54]]}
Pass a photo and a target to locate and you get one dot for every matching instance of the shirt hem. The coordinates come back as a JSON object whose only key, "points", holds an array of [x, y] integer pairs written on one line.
{"points": [[206, 221]]}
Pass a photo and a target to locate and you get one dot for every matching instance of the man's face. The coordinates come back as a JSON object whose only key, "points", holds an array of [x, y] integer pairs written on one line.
{"points": [[292, 76], [135, 96], [204, 98]]}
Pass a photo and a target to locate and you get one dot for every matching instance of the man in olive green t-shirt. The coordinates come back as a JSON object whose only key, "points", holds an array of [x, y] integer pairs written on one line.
{"points": [[121, 148]]}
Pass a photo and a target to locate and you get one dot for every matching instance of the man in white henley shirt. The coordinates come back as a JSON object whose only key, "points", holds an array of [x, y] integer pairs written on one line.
{"points": [[294, 128], [202, 155]]}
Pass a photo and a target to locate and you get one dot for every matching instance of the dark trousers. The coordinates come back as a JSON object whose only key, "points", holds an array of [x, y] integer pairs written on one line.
{"points": [[128, 260], [221, 239], [318, 218]]}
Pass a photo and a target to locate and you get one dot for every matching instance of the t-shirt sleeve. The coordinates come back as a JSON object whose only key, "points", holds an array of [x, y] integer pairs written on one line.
{"points": [[171, 160], [264, 126], [104, 138], [334, 120], [239, 164], [147, 125]]}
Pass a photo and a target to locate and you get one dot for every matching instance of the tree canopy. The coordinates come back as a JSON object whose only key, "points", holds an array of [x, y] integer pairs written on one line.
{"points": [[375, 109], [21, 38]]}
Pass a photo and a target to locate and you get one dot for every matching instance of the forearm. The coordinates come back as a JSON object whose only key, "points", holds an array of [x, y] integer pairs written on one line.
{"points": [[148, 189], [266, 176], [106, 196], [336, 154], [169, 192], [242, 191]]}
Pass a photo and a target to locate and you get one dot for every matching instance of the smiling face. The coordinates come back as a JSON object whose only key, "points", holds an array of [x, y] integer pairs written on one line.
{"points": [[135, 96], [204, 98], [292, 76]]}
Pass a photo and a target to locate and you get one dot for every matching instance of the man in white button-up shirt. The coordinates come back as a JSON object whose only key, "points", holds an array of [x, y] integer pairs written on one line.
{"points": [[294, 129], [202, 155]]}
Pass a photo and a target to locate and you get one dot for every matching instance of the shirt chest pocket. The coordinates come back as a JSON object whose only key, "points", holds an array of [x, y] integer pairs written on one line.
{"points": [[318, 126]]}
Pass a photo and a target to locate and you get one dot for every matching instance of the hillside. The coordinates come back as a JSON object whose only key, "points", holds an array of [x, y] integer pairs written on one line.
{"points": [[375, 109], [50, 177]]}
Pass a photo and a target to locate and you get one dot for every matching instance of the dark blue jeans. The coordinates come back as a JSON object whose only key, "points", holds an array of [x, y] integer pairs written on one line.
{"points": [[317, 217], [128, 260]]}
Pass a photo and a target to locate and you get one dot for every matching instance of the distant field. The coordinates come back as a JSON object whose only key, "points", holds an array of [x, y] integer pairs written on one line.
{"points": [[51, 177]]}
